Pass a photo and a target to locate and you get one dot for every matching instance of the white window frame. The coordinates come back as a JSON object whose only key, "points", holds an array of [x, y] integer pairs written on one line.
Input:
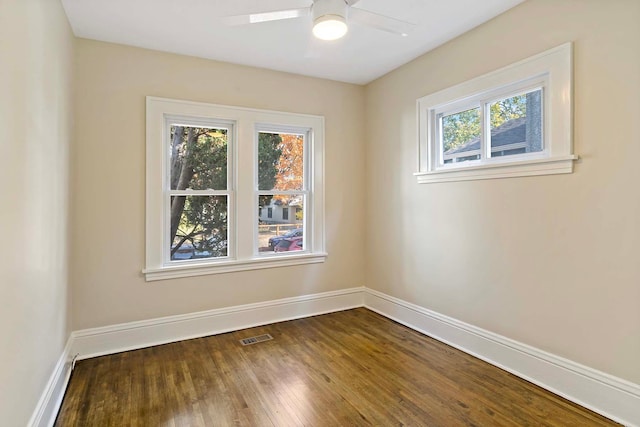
{"points": [[550, 71], [241, 189], [169, 120], [308, 211]]}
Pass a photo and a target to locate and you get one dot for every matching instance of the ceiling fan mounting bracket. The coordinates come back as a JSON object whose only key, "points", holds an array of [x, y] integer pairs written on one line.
{"points": [[322, 8]]}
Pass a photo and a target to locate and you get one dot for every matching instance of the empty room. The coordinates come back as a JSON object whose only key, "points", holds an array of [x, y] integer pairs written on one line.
{"points": [[320, 213]]}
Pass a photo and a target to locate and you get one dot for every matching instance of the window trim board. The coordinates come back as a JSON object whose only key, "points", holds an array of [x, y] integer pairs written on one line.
{"points": [[230, 266], [245, 121], [552, 70]]}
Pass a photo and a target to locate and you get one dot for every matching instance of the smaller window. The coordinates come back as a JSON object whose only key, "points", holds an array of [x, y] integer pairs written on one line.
{"points": [[269, 212], [514, 124], [285, 214], [515, 121]]}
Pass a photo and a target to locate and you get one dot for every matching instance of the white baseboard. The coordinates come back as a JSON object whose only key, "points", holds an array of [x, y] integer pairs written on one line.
{"points": [[49, 404], [612, 397], [607, 395], [135, 335]]}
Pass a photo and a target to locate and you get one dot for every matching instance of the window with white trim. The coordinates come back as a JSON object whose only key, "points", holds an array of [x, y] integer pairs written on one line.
{"points": [[282, 182], [209, 166], [515, 121], [198, 190]]}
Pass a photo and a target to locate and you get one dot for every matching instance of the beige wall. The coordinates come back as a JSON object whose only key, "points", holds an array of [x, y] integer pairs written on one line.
{"points": [[551, 261], [35, 117], [109, 187]]}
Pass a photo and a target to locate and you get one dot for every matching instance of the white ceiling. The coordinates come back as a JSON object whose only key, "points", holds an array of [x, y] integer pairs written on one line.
{"points": [[190, 27]]}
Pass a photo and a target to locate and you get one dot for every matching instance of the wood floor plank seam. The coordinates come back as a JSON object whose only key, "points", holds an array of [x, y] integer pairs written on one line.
{"points": [[353, 368]]}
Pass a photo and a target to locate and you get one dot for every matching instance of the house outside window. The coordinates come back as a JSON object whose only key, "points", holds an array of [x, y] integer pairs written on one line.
{"points": [[515, 121], [283, 184], [199, 214]]}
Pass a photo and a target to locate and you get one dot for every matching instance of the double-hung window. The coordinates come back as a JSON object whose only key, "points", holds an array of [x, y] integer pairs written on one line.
{"points": [[282, 183], [198, 201], [515, 121], [209, 167]]}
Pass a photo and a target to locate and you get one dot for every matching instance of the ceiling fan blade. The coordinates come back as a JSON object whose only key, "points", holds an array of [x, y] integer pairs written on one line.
{"points": [[255, 18], [380, 22], [351, 2]]}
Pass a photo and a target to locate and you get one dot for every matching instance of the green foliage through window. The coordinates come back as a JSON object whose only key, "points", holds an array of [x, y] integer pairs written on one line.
{"points": [[198, 162], [460, 128]]}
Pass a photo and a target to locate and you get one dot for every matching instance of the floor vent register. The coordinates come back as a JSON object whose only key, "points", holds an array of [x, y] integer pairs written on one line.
{"points": [[255, 340]]}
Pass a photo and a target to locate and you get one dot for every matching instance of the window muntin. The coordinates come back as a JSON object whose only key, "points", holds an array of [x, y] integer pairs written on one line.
{"points": [[538, 142], [197, 189], [282, 184]]}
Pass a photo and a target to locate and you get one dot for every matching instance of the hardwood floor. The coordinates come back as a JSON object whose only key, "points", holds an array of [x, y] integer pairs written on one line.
{"points": [[352, 368]]}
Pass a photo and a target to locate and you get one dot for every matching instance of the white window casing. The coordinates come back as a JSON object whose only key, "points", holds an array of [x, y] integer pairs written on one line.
{"points": [[241, 189], [549, 72]]}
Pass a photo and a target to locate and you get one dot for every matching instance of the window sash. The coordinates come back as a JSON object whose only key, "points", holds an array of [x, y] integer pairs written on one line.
{"points": [[308, 207], [306, 224], [168, 193], [166, 248], [483, 101]]}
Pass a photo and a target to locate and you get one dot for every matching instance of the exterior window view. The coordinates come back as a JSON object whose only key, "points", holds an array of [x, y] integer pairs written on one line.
{"points": [[282, 191], [515, 123], [199, 193], [226, 184]]}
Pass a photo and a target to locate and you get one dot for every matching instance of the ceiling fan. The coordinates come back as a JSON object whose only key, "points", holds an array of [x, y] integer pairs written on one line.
{"points": [[329, 17]]}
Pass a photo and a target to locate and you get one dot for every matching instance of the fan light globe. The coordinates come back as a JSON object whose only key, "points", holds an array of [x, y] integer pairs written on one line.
{"points": [[329, 27]]}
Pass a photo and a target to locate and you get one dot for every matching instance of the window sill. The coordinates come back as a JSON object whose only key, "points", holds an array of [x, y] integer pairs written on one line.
{"points": [[175, 272], [548, 166]]}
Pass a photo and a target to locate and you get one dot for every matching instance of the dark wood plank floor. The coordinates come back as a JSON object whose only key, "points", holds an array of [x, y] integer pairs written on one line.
{"points": [[352, 368]]}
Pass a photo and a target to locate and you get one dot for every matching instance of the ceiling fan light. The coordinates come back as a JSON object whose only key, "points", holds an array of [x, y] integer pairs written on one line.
{"points": [[330, 27]]}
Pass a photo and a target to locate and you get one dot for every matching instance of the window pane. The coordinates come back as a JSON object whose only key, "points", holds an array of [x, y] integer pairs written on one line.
{"points": [[516, 124], [282, 231], [198, 227], [280, 161], [461, 136], [198, 159]]}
